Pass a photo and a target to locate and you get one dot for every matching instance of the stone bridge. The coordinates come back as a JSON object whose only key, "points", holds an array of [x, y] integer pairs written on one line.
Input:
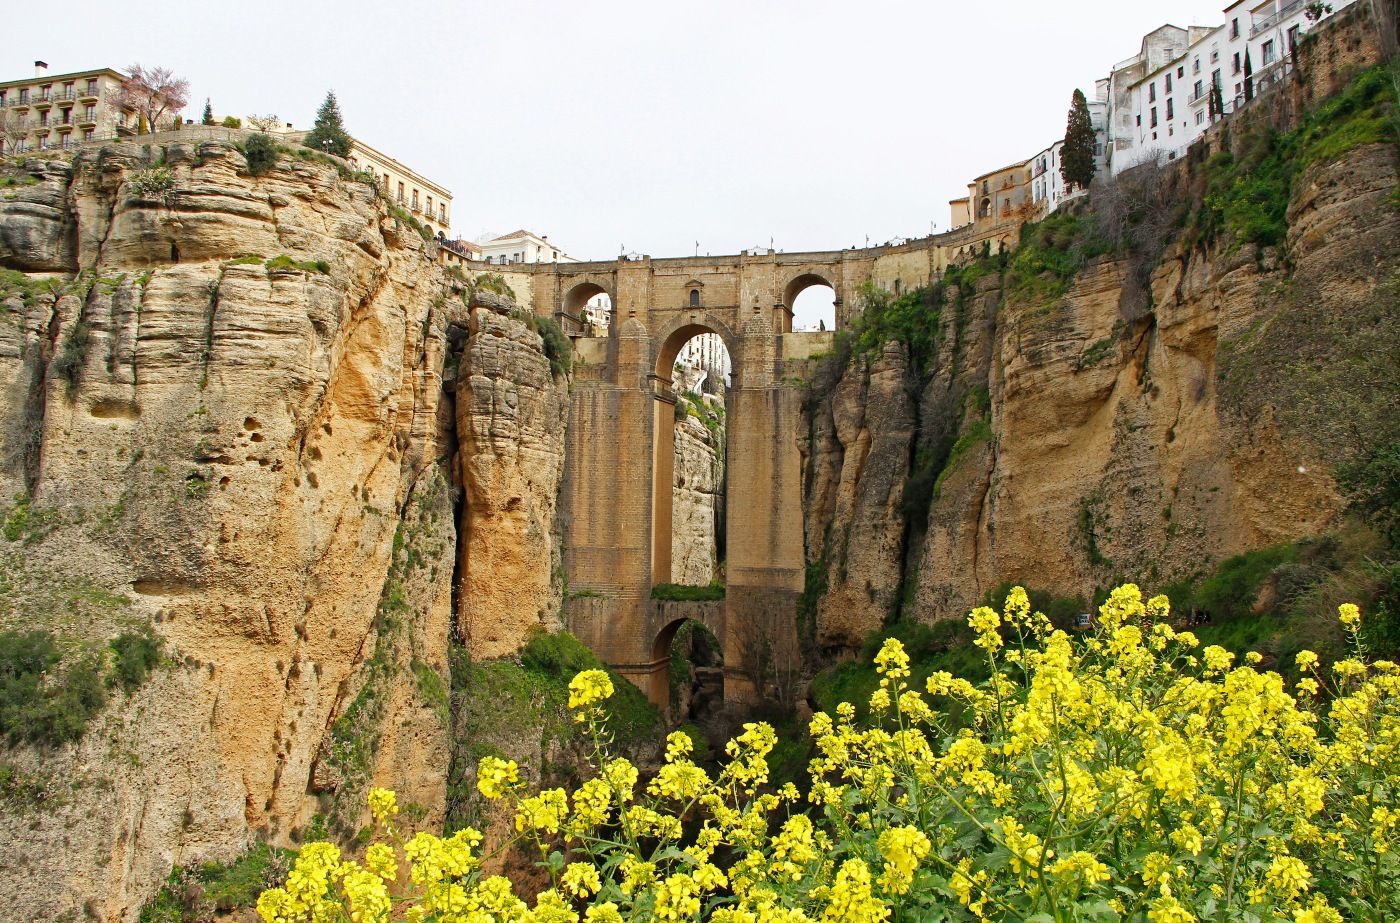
{"points": [[617, 492]]}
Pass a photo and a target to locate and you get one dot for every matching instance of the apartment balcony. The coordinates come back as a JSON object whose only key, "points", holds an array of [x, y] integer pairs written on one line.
{"points": [[63, 126], [1201, 96], [1268, 22], [86, 121], [43, 102], [86, 94], [416, 208], [65, 96], [17, 103]]}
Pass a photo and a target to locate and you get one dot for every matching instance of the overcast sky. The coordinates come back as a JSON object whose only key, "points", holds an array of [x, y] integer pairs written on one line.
{"points": [[650, 125]]}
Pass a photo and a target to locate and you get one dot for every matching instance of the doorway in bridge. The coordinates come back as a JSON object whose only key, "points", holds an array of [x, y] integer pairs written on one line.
{"points": [[695, 672], [688, 522], [812, 300]]}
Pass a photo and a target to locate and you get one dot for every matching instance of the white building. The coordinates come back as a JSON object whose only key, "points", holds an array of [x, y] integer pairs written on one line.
{"points": [[1160, 98], [1048, 188], [522, 247], [704, 353]]}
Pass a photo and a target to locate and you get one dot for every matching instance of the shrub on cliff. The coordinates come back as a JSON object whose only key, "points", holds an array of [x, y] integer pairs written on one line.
{"points": [[261, 153], [1126, 775]]}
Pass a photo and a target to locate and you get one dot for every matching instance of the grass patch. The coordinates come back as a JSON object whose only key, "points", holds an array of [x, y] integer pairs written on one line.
{"points": [[680, 592], [285, 263], [193, 894], [1051, 253], [511, 707], [913, 319]]}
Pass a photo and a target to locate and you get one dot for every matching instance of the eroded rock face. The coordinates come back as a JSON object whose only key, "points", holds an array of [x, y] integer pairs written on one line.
{"points": [[510, 423], [698, 480], [1096, 437], [257, 458]]}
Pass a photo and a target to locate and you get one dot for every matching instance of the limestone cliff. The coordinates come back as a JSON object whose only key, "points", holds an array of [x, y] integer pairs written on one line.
{"points": [[224, 416], [1121, 425], [698, 485]]}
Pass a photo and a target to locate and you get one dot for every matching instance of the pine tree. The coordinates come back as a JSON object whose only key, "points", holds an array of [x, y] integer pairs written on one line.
{"points": [[208, 113], [328, 135], [1077, 164]]}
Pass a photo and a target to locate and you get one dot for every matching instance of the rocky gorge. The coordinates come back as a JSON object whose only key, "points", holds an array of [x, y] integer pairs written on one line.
{"points": [[285, 491]]}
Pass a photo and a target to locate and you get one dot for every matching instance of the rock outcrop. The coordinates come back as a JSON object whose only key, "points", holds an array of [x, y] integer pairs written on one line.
{"points": [[698, 483], [224, 417], [1095, 435]]}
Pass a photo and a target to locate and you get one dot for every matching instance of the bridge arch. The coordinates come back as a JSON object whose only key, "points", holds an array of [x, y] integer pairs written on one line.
{"points": [[802, 283], [668, 620], [663, 460], [576, 299]]}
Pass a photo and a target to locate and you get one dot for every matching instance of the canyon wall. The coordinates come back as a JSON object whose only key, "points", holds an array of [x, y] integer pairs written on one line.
{"points": [[1129, 426], [698, 482], [224, 417]]}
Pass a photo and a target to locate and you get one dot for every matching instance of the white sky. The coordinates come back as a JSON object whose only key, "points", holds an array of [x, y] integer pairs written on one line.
{"points": [[650, 125]]}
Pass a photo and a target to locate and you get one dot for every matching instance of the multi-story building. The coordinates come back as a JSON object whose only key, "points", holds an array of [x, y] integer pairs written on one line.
{"points": [[43, 112], [1048, 187], [1001, 194], [703, 357], [1161, 99], [429, 202], [456, 252], [522, 247]]}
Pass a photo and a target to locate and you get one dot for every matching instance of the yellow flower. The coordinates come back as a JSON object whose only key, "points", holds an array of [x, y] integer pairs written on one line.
{"points": [[1288, 876], [495, 777], [580, 879], [1349, 615], [586, 690], [985, 622], [1307, 660], [902, 848], [383, 804], [380, 859]]}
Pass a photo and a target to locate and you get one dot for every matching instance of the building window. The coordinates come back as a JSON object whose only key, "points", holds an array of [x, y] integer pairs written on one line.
{"points": [[1214, 55], [400, 193], [92, 86], [695, 298], [1196, 66], [1154, 117], [1139, 121], [24, 95], [90, 113], [87, 135], [1234, 28], [1200, 118], [1235, 64], [1268, 52], [44, 117], [1215, 78], [1169, 81], [415, 198], [1181, 71], [1200, 91], [442, 212], [1171, 109], [1152, 92], [1293, 39]]}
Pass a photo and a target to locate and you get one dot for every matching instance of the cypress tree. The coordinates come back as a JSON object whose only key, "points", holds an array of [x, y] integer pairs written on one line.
{"points": [[1248, 77], [1077, 164], [328, 135], [208, 113]]}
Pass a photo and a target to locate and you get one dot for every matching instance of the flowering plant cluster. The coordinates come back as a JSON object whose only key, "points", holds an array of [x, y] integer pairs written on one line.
{"points": [[1125, 775]]}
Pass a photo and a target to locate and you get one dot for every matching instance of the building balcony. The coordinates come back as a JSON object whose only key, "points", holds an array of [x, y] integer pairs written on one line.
{"points": [[42, 102], [64, 96], [63, 126], [1268, 22], [1202, 95], [86, 94], [86, 121], [17, 103]]}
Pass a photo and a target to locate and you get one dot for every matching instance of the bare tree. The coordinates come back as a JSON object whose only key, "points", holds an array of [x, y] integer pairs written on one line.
{"points": [[152, 92], [13, 128], [264, 122]]}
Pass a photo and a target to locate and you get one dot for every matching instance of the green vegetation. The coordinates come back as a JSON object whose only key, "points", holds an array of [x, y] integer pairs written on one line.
{"points": [[1246, 196], [193, 894], [1051, 253], [709, 413], [1077, 165], [328, 135], [979, 432], [11, 180], [1096, 353], [232, 121], [247, 260], [501, 705], [39, 701], [680, 592], [156, 182], [261, 153], [135, 655], [912, 320], [68, 365], [557, 346], [285, 263]]}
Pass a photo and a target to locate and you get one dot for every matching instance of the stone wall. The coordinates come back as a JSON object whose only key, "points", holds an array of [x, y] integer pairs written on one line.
{"points": [[699, 481]]}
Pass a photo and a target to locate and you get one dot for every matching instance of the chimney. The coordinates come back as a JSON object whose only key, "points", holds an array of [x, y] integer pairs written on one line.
{"points": [[41, 68]]}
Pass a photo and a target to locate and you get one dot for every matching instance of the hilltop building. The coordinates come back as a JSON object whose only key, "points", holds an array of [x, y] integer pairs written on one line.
{"points": [[428, 201], [522, 246], [44, 112]]}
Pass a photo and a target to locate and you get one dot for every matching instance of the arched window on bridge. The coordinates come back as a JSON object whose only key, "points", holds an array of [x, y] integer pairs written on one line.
{"points": [[695, 298], [694, 673], [590, 307]]}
